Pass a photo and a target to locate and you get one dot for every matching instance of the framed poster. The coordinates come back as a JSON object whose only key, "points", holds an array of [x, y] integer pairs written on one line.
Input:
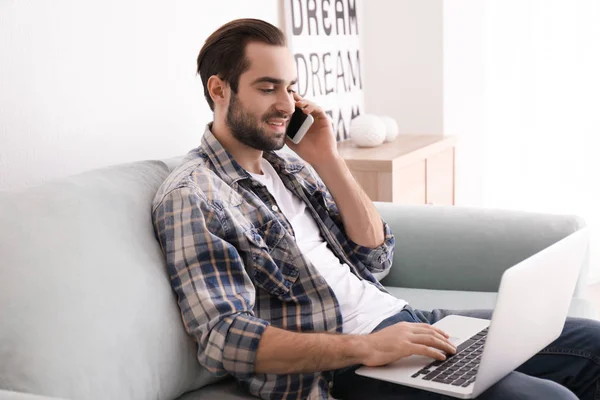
{"points": [[323, 36]]}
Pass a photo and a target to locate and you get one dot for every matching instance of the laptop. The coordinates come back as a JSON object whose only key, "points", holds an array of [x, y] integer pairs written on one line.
{"points": [[531, 309]]}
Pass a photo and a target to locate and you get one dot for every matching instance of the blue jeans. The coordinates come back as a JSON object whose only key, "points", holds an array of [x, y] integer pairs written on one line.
{"points": [[569, 368]]}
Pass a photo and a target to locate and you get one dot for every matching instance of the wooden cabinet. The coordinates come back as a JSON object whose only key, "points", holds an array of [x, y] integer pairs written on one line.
{"points": [[413, 169]]}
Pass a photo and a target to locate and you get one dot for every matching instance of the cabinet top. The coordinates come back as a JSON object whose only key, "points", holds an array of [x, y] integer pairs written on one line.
{"points": [[405, 146]]}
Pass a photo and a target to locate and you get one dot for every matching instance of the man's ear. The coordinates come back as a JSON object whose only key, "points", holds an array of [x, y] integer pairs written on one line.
{"points": [[217, 88]]}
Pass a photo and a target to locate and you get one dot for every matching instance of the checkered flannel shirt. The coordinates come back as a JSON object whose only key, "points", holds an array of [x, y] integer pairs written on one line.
{"points": [[234, 264]]}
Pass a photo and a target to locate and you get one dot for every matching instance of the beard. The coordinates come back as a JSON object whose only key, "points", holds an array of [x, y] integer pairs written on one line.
{"points": [[246, 128]]}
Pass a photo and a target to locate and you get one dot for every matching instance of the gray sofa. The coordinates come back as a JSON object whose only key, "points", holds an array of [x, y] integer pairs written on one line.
{"points": [[86, 310]]}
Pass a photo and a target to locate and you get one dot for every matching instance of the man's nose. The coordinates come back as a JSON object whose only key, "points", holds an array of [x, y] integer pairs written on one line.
{"points": [[286, 103]]}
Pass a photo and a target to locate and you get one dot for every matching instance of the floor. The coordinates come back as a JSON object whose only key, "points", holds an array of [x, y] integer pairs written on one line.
{"points": [[593, 293]]}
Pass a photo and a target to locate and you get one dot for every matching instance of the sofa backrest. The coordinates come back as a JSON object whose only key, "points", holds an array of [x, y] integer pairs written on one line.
{"points": [[86, 309]]}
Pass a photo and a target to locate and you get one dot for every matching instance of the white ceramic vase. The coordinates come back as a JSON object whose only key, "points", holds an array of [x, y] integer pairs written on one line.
{"points": [[367, 130], [391, 128]]}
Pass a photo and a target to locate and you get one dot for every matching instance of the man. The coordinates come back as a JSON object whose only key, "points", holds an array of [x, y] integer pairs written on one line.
{"points": [[272, 256]]}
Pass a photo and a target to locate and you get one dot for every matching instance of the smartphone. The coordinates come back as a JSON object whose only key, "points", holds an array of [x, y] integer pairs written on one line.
{"points": [[299, 125]]}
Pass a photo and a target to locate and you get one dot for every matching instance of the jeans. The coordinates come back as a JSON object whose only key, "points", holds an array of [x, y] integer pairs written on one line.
{"points": [[568, 368]]}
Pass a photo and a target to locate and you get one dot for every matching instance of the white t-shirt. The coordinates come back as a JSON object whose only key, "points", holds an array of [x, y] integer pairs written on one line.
{"points": [[363, 306]]}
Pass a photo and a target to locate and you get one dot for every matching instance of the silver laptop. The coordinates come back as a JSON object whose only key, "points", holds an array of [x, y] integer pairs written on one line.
{"points": [[531, 309]]}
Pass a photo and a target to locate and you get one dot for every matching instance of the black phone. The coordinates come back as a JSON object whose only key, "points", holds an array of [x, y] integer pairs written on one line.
{"points": [[299, 125]]}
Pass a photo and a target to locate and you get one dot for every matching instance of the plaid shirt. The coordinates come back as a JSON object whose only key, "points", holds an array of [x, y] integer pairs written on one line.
{"points": [[236, 268]]}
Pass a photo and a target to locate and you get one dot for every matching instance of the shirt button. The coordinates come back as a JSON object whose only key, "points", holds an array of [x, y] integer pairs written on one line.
{"points": [[274, 208]]}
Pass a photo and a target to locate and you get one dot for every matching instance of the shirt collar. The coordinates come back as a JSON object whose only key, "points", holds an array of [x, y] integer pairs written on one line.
{"points": [[230, 170]]}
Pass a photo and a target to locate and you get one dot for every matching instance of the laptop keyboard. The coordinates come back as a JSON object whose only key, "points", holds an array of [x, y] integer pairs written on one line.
{"points": [[458, 369]]}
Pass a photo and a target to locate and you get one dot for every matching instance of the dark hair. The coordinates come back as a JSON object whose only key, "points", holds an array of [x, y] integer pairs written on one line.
{"points": [[223, 53]]}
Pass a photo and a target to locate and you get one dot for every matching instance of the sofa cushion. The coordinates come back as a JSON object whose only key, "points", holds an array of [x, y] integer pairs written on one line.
{"points": [[226, 390], [10, 395], [429, 299], [86, 308]]}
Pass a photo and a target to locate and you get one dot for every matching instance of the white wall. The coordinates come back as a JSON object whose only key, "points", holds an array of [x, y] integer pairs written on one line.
{"points": [[521, 88], [464, 94], [542, 113], [86, 84], [403, 69], [89, 84]]}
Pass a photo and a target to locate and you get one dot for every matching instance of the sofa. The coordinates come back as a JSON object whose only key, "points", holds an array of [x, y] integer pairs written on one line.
{"points": [[87, 311]]}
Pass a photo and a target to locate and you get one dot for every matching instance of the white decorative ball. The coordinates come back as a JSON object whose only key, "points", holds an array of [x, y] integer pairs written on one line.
{"points": [[367, 130], [391, 128]]}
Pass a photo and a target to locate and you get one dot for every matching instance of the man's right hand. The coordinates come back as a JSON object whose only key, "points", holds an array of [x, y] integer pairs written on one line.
{"points": [[314, 352], [405, 339]]}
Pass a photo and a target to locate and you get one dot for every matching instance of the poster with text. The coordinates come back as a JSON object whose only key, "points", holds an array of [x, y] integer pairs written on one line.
{"points": [[323, 36]]}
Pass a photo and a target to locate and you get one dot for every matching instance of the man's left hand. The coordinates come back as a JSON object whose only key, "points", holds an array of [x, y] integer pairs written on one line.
{"points": [[319, 145]]}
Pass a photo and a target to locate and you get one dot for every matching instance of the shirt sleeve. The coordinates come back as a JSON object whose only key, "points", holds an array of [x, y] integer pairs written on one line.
{"points": [[215, 294], [378, 259]]}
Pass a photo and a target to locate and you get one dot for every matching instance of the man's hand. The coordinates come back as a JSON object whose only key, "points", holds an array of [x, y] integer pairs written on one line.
{"points": [[405, 339], [318, 148], [319, 144], [314, 352]]}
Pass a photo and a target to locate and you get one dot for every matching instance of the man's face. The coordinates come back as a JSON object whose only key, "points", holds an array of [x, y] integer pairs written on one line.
{"points": [[259, 113]]}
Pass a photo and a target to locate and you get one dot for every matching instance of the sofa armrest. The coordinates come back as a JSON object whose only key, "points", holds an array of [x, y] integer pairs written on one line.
{"points": [[460, 248], [10, 395]]}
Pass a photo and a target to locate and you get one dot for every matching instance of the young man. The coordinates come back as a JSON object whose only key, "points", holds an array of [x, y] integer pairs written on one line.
{"points": [[272, 256]]}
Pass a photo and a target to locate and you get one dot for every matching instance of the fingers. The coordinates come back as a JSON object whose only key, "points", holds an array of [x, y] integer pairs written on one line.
{"points": [[431, 327], [421, 327], [304, 105], [407, 338], [441, 332], [301, 103], [422, 350], [428, 336], [432, 341], [308, 106], [433, 333]]}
